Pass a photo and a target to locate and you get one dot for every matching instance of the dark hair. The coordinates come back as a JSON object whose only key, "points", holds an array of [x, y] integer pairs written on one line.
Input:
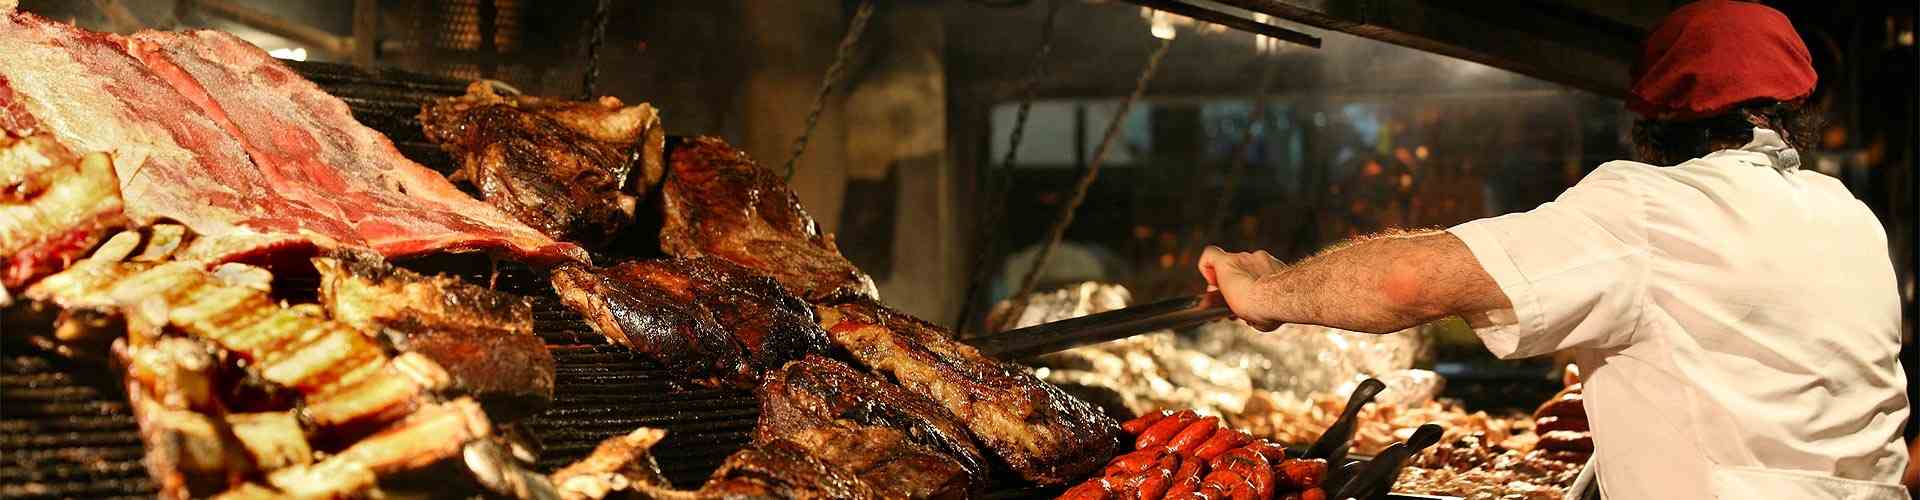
{"points": [[1669, 142]]}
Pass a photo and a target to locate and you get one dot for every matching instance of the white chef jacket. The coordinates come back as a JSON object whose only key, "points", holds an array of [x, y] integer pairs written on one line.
{"points": [[1735, 319]]}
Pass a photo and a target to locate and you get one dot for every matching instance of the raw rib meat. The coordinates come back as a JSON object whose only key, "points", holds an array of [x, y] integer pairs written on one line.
{"points": [[718, 202], [309, 147], [210, 131]]}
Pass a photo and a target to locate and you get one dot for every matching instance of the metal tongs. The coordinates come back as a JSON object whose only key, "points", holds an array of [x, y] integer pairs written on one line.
{"points": [[1022, 343]]}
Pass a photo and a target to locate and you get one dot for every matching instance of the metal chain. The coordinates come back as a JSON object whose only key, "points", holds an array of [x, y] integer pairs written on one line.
{"points": [[1059, 228], [840, 57], [599, 37], [1002, 182]]}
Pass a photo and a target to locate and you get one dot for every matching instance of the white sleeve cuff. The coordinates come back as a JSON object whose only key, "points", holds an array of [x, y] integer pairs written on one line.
{"points": [[1504, 337]]}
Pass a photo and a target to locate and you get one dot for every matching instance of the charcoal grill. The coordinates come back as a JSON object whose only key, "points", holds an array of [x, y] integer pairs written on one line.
{"points": [[67, 432]]}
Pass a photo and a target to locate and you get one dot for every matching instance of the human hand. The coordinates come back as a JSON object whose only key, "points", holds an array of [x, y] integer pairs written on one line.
{"points": [[1235, 275]]}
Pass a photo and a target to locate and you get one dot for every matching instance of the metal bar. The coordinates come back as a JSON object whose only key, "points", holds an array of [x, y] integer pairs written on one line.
{"points": [[1229, 20], [366, 26], [1096, 328], [1562, 46], [295, 30]]}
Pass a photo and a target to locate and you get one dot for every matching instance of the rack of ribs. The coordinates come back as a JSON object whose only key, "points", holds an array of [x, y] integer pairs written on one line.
{"points": [[574, 170], [484, 339], [1039, 432], [232, 388], [718, 202], [718, 323], [54, 206]]}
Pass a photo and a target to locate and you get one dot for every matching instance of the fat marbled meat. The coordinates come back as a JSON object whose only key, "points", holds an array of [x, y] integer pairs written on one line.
{"points": [[213, 132]]}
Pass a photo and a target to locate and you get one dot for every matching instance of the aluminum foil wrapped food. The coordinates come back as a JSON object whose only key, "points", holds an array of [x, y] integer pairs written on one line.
{"points": [[1218, 367], [1139, 374]]}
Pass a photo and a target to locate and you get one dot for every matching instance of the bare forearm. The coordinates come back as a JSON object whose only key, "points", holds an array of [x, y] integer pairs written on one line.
{"points": [[1379, 284]]}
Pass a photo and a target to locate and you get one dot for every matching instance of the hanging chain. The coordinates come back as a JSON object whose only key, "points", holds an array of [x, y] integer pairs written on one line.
{"points": [[1001, 182], [827, 81], [1223, 204], [599, 37], [1059, 228]]}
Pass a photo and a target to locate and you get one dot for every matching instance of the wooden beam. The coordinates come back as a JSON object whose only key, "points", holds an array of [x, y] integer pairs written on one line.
{"points": [[292, 30], [366, 26]]}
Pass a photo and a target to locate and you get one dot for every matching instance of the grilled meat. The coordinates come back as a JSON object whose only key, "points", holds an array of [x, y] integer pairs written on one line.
{"points": [[434, 434], [54, 207], [484, 339], [1043, 434], [621, 464], [189, 453], [212, 132], [784, 469], [817, 392], [886, 459], [349, 385], [574, 170], [718, 202], [715, 322]]}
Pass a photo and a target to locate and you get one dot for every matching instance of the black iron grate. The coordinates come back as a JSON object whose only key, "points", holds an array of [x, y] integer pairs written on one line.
{"points": [[64, 436]]}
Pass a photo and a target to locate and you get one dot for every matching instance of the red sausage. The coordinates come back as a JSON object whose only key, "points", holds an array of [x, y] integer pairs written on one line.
{"points": [[1313, 494], [1132, 463], [1301, 473], [1140, 424], [1158, 479], [1262, 479], [1275, 452], [1093, 489], [1220, 443], [1193, 435], [1187, 479], [1161, 431], [1220, 482]]}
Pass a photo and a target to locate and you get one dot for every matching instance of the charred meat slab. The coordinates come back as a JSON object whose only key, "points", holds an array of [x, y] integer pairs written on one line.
{"points": [[818, 391], [1041, 433], [54, 207], [784, 469], [715, 322], [718, 202], [484, 339], [574, 170], [886, 459]]}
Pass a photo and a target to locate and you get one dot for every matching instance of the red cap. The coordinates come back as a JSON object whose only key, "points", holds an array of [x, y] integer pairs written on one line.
{"points": [[1710, 55]]}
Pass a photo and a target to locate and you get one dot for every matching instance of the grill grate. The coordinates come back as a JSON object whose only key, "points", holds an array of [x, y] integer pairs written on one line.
{"points": [[65, 434]]}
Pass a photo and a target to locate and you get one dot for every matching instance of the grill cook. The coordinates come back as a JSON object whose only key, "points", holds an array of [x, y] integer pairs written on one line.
{"points": [[1735, 316]]}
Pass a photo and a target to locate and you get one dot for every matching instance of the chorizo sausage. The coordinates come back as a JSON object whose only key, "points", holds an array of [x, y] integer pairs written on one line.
{"points": [[1193, 435], [1158, 433], [1139, 424], [1220, 442]]}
